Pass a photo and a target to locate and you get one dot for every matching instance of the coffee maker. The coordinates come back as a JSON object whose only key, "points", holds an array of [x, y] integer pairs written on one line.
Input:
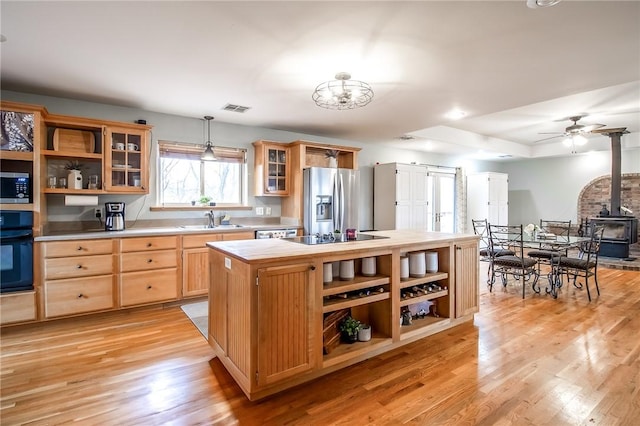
{"points": [[114, 216]]}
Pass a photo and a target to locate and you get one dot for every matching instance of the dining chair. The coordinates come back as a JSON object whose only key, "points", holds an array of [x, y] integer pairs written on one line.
{"points": [[481, 228], [509, 237], [547, 254], [585, 265]]}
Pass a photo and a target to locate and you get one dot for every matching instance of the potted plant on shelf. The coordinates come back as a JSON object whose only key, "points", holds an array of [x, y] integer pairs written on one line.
{"points": [[204, 200], [349, 328], [74, 174]]}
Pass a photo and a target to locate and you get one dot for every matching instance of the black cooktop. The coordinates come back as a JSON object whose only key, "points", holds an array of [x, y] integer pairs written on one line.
{"points": [[330, 239]]}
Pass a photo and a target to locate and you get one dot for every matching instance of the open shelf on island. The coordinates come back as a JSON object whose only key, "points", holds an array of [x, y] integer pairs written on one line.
{"points": [[346, 351], [424, 297], [418, 325], [428, 278], [351, 301], [357, 283]]}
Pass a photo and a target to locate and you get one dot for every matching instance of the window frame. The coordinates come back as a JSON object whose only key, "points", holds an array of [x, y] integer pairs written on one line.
{"points": [[225, 154]]}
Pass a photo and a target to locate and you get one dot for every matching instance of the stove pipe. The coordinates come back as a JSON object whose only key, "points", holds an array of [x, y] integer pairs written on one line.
{"points": [[616, 170]]}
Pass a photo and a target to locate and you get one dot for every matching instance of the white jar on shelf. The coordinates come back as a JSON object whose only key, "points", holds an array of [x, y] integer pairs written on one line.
{"points": [[74, 179], [404, 268], [327, 275], [369, 266], [432, 261], [417, 265], [346, 270]]}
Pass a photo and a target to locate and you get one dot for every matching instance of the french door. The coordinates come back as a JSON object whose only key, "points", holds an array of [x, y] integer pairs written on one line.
{"points": [[441, 189]]}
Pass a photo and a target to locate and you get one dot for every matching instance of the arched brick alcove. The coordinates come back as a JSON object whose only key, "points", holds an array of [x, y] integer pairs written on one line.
{"points": [[598, 192]]}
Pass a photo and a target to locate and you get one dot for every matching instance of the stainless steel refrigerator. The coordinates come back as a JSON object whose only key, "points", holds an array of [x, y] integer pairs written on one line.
{"points": [[331, 198]]}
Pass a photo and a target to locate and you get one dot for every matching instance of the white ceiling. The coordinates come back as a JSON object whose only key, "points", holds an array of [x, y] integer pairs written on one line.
{"points": [[513, 69]]}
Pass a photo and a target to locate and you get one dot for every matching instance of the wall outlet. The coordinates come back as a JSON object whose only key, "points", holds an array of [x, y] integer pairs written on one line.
{"points": [[259, 211], [267, 211], [98, 212]]}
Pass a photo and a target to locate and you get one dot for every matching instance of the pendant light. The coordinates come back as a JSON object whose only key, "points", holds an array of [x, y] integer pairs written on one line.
{"points": [[208, 154]]}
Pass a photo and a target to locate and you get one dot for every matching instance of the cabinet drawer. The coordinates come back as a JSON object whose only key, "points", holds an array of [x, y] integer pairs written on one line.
{"points": [[137, 288], [144, 261], [200, 240], [246, 235], [148, 243], [80, 266], [17, 307], [78, 295], [77, 248]]}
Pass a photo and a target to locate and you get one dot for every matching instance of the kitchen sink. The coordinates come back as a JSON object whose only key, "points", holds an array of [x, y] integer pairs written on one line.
{"points": [[207, 227]]}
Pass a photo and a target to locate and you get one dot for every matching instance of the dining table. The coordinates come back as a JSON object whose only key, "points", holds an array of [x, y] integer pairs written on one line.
{"points": [[552, 242]]}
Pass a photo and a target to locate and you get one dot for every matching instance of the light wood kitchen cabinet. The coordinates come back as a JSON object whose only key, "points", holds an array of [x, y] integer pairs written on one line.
{"points": [[271, 168], [116, 152], [25, 161], [195, 260], [305, 154], [125, 160], [78, 295], [78, 277], [195, 264], [268, 303], [285, 311], [149, 271], [467, 289], [18, 307]]}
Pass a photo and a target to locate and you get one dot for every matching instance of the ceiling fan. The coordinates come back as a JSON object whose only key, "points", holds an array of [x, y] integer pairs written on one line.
{"points": [[574, 129]]}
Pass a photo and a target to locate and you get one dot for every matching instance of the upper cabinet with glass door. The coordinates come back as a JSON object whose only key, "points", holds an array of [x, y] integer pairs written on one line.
{"points": [[272, 167], [126, 160]]}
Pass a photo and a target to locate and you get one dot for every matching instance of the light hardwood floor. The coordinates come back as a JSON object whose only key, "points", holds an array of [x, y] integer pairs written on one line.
{"points": [[537, 361]]}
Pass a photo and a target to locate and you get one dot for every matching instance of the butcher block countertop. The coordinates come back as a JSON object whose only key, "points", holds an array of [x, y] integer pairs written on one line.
{"points": [[259, 251]]}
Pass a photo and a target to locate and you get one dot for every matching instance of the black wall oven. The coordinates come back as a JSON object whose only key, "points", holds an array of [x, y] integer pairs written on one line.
{"points": [[16, 251]]}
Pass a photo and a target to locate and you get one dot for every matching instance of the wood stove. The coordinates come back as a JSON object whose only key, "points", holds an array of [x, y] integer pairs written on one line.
{"points": [[619, 233]]}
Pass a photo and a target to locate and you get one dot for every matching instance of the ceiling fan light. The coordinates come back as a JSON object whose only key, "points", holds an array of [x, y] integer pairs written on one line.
{"points": [[342, 93], [567, 142], [579, 140], [538, 4]]}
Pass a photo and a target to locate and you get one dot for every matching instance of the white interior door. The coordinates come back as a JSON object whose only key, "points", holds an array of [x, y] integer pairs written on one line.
{"points": [[443, 196]]}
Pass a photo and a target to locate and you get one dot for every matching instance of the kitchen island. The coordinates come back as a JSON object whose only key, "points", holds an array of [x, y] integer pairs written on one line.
{"points": [[269, 310]]}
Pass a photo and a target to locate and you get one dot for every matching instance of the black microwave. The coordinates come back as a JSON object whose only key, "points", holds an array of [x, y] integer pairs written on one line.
{"points": [[15, 188]]}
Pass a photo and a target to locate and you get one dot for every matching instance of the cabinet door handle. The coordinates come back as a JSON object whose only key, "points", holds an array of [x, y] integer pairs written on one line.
{"points": [[78, 266], [79, 248], [149, 287], [149, 244], [80, 296], [313, 268], [149, 260]]}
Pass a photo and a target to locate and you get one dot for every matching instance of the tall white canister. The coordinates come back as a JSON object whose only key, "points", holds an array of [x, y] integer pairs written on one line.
{"points": [[369, 266], [432, 261], [327, 273], [404, 268], [417, 265]]}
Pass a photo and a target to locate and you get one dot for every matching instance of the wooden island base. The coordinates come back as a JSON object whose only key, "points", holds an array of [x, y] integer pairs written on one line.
{"points": [[268, 303]]}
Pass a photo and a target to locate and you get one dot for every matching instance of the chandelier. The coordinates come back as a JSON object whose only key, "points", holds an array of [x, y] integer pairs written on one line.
{"points": [[342, 93], [208, 154]]}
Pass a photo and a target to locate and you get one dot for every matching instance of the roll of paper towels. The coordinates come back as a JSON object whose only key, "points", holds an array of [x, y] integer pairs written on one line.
{"points": [[80, 200]]}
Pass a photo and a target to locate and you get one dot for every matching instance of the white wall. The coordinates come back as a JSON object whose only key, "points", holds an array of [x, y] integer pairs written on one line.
{"points": [[549, 188], [192, 129]]}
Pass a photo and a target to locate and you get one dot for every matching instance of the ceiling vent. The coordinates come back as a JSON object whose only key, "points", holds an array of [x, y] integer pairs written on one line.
{"points": [[235, 108]]}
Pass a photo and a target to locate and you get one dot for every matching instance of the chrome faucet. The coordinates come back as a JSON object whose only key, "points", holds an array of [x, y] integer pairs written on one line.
{"points": [[212, 219]]}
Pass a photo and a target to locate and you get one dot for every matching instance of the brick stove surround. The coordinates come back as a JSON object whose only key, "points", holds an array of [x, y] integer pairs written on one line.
{"points": [[598, 192]]}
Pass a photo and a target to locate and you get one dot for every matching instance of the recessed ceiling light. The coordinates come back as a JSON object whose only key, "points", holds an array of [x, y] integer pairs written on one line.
{"points": [[456, 114]]}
